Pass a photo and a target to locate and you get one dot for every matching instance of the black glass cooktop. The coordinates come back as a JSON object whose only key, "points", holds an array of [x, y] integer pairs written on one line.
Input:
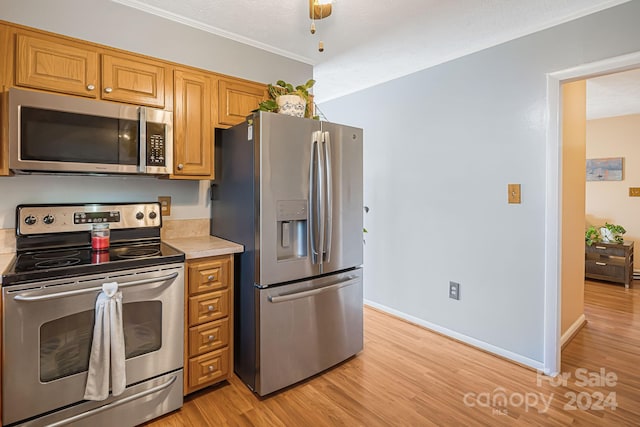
{"points": [[54, 264]]}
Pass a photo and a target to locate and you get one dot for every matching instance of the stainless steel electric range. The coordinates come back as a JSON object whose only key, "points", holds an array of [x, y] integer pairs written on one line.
{"points": [[49, 294]]}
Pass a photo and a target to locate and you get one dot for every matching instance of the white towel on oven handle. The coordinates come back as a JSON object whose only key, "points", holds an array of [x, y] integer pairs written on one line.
{"points": [[107, 346]]}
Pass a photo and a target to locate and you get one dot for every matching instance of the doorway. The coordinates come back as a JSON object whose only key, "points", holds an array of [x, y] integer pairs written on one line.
{"points": [[555, 238]]}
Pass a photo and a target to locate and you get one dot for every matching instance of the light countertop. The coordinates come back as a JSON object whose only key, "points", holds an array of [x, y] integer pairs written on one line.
{"points": [[204, 246], [5, 260]]}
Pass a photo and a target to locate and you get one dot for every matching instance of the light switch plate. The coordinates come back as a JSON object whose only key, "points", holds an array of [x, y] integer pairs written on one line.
{"points": [[514, 193], [165, 205], [634, 191]]}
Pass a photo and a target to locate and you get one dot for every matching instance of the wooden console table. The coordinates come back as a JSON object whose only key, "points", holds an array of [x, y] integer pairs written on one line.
{"points": [[612, 262]]}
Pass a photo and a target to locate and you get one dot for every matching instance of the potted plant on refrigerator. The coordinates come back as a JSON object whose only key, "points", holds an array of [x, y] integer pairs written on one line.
{"points": [[284, 98]]}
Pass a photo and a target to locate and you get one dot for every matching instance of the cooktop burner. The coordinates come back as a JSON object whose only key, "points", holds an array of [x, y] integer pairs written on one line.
{"points": [[138, 252], [54, 241], [56, 254], [57, 262], [50, 264]]}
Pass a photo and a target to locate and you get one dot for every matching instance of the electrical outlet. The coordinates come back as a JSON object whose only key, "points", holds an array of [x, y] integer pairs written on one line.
{"points": [[165, 205], [454, 290]]}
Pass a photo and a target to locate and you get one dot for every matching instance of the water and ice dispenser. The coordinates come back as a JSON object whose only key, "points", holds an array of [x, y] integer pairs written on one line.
{"points": [[292, 229]]}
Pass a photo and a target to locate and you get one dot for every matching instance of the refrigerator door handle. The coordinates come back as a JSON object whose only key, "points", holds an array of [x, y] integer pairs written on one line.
{"points": [[304, 294], [321, 197], [314, 197], [328, 173]]}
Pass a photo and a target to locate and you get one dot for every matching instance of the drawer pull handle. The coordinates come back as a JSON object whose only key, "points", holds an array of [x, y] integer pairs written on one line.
{"points": [[601, 263], [211, 368], [212, 338], [211, 277], [211, 308], [601, 247]]}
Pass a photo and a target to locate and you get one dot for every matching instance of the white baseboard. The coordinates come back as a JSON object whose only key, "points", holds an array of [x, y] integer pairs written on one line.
{"points": [[573, 329], [460, 337]]}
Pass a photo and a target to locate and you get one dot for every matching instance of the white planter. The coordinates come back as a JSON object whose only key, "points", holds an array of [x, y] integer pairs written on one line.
{"points": [[291, 105], [607, 235]]}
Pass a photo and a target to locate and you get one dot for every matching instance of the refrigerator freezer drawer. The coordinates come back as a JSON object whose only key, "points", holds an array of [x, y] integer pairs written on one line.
{"points": [[307, 327]]}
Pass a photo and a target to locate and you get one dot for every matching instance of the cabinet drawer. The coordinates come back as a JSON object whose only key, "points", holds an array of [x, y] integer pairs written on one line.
{"points": [[209, 276], [208, 307], [605, 270], [611, 250], [209, 336], [208, 368]]}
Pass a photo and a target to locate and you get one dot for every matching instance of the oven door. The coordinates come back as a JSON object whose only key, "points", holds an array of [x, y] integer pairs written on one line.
{"points": [[48, 329]]}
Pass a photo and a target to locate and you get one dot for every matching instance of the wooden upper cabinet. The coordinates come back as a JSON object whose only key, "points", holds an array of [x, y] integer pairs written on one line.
{"points": [[126, 79], [236, 100], [49, 64], [192, 126], [6, 80], [59, 65]]}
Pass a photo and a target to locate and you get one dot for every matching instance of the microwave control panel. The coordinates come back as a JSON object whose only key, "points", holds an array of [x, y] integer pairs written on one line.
{"points": [[155, 144]]}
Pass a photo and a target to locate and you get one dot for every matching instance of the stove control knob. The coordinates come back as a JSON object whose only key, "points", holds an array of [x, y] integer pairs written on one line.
{"points": [[139, 215], [153, 215], [48, 219], [30, 220]]}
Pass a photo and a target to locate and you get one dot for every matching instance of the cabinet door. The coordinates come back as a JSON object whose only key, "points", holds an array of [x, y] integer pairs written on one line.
{"points": [[128, 79], [192, 126], [236, 99], [55, 65], [6, 76]]}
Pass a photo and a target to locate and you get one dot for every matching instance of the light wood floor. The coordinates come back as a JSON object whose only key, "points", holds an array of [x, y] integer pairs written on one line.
{"points": [[408, 376]]}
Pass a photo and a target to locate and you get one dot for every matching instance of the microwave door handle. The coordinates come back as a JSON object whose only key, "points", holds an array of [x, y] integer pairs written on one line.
{"points": [[142, 143]]}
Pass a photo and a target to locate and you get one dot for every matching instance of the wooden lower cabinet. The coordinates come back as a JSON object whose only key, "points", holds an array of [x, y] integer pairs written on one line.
{"points": [[208, 347]]}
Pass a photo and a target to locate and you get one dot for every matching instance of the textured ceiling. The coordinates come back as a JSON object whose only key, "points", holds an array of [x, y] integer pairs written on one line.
{"points": [[370, 42], [613, 95]]}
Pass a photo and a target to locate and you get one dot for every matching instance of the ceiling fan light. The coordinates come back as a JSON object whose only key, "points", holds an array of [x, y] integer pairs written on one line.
{"points": [[319, 9]]}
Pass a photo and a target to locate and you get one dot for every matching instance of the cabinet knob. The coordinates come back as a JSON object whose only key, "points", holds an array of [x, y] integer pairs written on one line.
{"points": [[180, 166], [211, 368], [211, 308], [212, 338], [211, 277], [90, 87], [108, 89]]}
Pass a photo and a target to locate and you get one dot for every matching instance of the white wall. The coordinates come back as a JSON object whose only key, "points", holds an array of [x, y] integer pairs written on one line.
{"points": [[441, 145], [115, 25], [609, 201], [189, 199]]}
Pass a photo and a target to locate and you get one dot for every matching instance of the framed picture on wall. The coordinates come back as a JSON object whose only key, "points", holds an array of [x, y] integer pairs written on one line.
{"points": [[609, 169]]}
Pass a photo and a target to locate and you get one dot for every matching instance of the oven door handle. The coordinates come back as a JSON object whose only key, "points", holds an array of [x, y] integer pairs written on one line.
{"points": [[115, 403], [94, 289]]}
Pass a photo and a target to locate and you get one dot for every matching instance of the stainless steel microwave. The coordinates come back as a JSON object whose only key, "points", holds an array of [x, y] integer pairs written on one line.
{"points": [[60, 133]]}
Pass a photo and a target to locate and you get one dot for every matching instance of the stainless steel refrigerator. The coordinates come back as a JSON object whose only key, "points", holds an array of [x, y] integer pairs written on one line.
{"points": [[290, 190]]}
